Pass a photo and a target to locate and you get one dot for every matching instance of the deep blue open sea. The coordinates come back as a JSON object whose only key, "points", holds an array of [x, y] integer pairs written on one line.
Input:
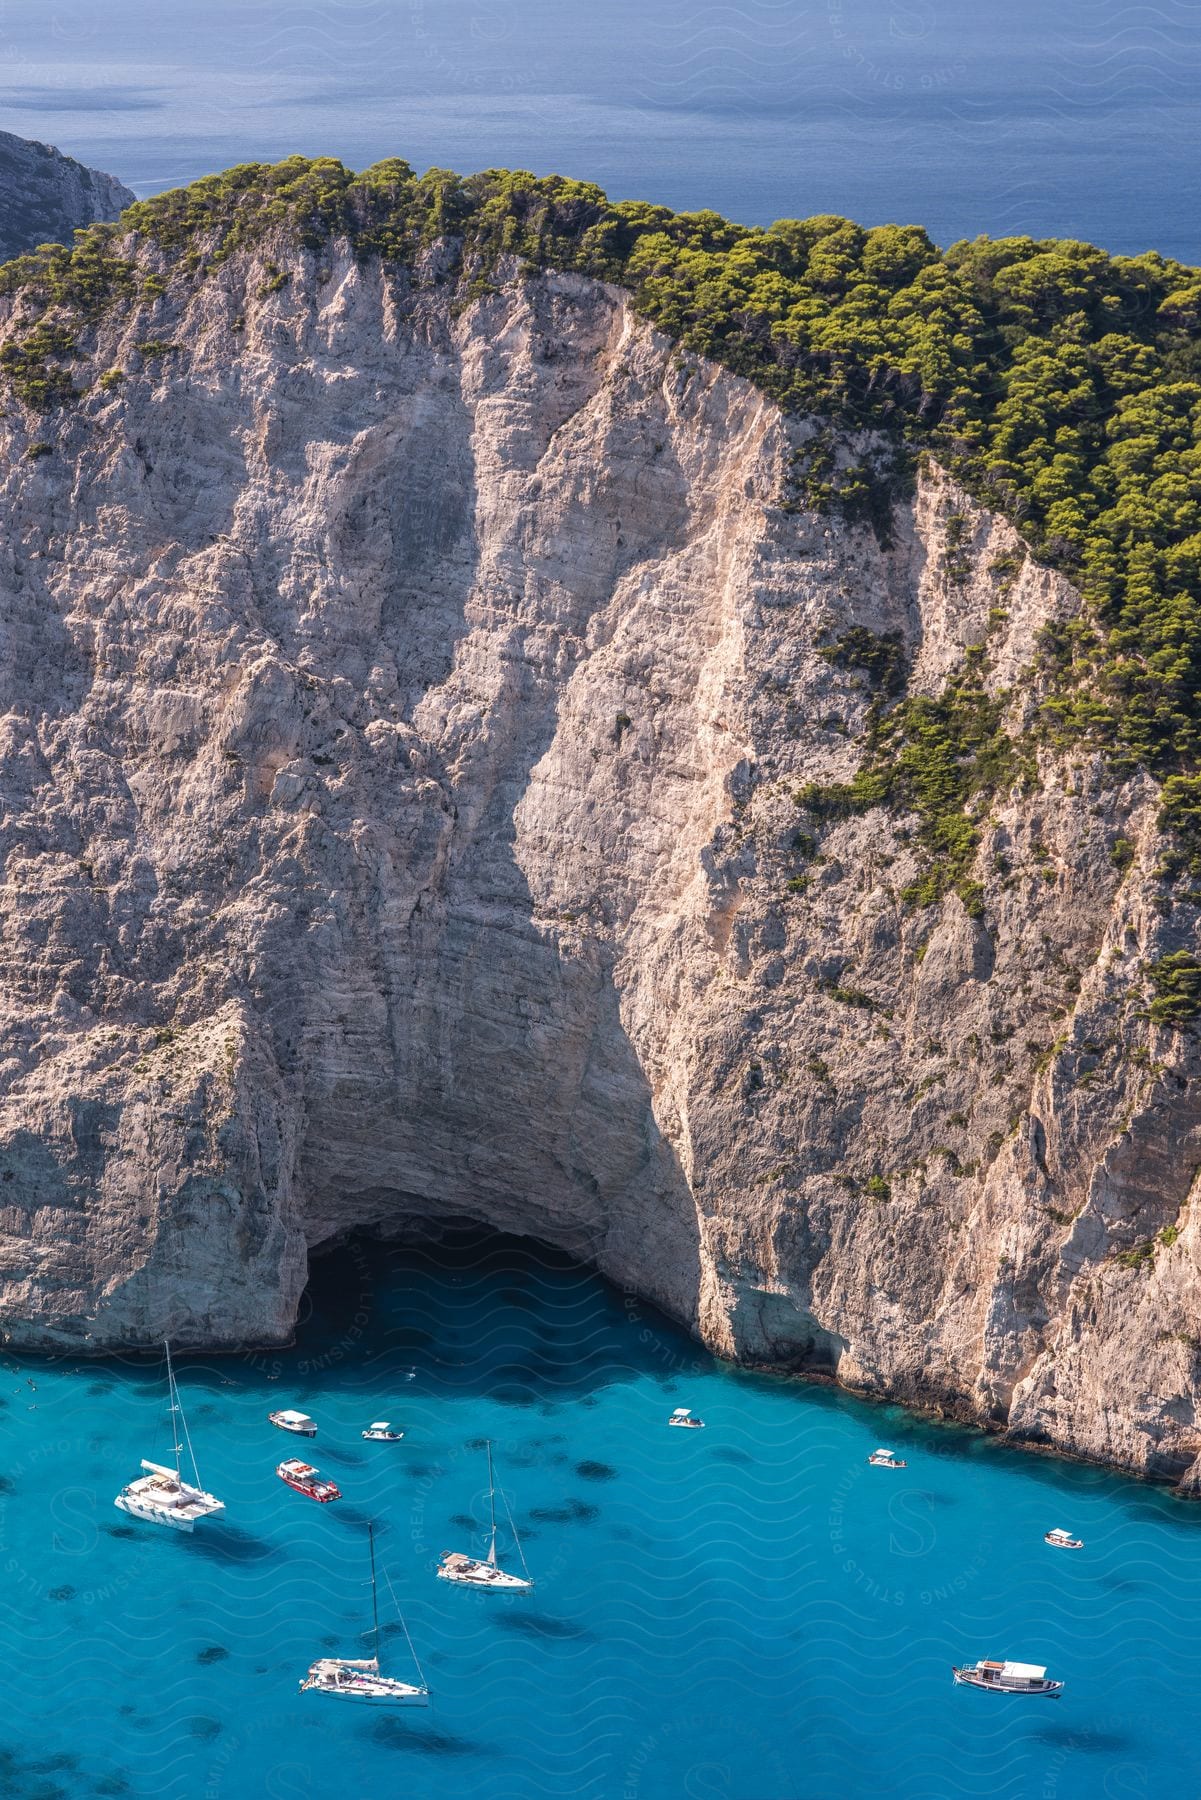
{"points": [[744, 1613], [1078, 118]]}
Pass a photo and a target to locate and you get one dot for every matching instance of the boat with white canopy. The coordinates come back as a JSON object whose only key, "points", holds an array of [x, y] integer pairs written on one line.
{"points": [[1059, 1539], [886, 1459], [288, 1420], [359, 1678], [1007, 1678], [161, 1496], [485, 1572]]}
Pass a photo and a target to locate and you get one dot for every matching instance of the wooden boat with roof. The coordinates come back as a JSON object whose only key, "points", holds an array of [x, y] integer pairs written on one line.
{"points": [[1007, 1678], [286, 1419]]}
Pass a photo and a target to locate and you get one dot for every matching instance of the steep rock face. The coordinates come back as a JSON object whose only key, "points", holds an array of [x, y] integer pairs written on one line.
{"points": [[45, 195], [403, 708]]}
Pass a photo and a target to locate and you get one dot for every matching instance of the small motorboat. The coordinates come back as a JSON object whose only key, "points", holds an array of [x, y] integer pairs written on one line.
{"points": [[1062, 1540], [382, 1433], [299, 1422], [1007, 1678], [886, 1459], [682, 1417], [307, 1480]]}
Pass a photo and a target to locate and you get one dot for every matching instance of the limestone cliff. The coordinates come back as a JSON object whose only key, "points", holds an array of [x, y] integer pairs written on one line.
{"points": [[404, 707], [45, 195]]}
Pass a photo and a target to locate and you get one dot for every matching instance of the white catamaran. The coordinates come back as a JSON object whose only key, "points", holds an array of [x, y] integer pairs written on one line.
{"points": [[361, 1680], [162, 1496], [474, 1571]]}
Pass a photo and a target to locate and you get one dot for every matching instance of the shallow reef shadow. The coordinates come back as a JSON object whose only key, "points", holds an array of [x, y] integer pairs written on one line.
{"points": [[393, 1734], [229, 1543]]}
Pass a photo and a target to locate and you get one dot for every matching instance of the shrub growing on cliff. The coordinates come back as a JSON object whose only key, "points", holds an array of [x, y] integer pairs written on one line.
{"points": [[882, 658], [1176, 982], [34, 366], [1181, 815], [933, 757]]}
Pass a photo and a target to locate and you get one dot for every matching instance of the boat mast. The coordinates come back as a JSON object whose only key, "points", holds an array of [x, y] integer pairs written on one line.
{"points": [[181, 1425], [492, 1505], [374, 1601], [175, 1414], [513, 1530]]}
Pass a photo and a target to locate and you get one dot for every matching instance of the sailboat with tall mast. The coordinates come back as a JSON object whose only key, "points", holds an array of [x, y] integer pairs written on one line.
{"points": [[161, 1495], [485, 1572], [360, 1679]]}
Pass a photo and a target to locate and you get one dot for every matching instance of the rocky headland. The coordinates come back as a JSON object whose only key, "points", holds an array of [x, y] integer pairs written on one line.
{"points": [[45, 196], [427, 711]]}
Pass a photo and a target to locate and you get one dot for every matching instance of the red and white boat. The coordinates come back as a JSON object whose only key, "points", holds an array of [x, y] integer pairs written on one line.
{"points": [[307, 1480]]}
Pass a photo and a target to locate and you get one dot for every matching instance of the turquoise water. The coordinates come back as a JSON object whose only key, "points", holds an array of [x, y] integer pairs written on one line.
{"points": [[743, 1613]]}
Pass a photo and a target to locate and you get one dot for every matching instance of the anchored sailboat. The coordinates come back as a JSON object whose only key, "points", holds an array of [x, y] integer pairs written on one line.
{"points": [[472, 1571], [360, 1679], [162, 1496]]}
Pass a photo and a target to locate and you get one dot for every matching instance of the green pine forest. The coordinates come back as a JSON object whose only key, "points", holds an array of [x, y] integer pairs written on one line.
{"points": [[1060, 385]]}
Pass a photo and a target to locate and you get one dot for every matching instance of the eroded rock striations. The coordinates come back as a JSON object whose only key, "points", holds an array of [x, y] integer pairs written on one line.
{"points": [[45, 196], [405, 706]]}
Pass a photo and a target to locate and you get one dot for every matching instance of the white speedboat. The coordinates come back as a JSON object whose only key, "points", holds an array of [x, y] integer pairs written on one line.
{"points": [[485, 1572], [886, 1459], [358, 1678], [1007, 1678], [382, 1433], [161, 1496], [1062, 1540], [299, 1422], [682, 1418]]}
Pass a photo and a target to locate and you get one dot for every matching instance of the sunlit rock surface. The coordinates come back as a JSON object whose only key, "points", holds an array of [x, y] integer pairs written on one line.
{"points": [[402, 708]]}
